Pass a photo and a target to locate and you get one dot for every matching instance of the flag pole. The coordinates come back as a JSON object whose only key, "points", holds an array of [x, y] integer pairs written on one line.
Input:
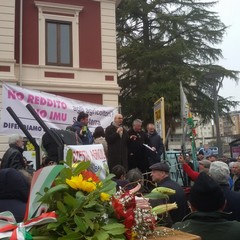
{"points": [[187, 118], [194, 156], [183, 103]]}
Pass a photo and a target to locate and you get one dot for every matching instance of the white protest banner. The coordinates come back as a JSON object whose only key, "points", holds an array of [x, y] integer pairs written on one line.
{"points": [[94, 153], [56, 111]]}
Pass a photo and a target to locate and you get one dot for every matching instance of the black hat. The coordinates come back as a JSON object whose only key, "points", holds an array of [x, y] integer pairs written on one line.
{"points": [[160, 167], [206, 195]]}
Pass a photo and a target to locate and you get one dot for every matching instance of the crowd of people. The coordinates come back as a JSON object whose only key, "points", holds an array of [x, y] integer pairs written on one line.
{"points": [[131, 148], [211, 209]]}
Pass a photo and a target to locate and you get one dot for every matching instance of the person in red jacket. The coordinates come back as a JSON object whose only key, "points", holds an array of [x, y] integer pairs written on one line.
{"points": [[204, 166]]}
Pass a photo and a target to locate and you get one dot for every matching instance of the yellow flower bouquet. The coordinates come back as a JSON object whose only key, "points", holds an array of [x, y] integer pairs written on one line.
{"points": [[82, 204]]}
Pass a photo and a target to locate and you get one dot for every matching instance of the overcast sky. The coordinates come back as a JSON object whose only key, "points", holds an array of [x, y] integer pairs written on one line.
{"points": [[229, 12]]}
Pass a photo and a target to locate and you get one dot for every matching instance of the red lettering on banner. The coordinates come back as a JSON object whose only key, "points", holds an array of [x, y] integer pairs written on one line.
{"points": [[49, 102], [41, 113], [37, 100], [58, 116], [43, 101], [98, 154], [80, 156], [15, 95], [30, 99]]}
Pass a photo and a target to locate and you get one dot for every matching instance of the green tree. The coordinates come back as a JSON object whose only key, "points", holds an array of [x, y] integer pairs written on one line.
{"points": [[163, 42]]}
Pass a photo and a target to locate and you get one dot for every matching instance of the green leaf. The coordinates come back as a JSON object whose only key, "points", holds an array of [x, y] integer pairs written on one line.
{"points": [[114, 228], [99, 207], [90, 204], [89, 222], [108, 177], [51, 191], [70, 200], [71, 236], [92, 214], [101, 235], [111, 186], [121, 237], [69, 158], [82, 226], [53, 226], [80, 198], [79, 194], [67, 230], [81, 167], [61, 207], [66, 173]]}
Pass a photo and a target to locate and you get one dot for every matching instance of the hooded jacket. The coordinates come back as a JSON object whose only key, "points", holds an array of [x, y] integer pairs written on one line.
{"points": [[87, 137]]}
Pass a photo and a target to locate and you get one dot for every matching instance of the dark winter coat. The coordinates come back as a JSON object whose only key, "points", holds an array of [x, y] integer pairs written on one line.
{"points": [[232, 205], [210, 226], [137, 157], [154, 140], [13, 158], [87, 137], [236, 185], [117, 147], [179, 197], [14, 191]]}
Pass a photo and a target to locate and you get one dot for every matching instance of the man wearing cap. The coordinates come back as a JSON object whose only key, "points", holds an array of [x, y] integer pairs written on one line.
{"points": [[204, 166], [160, 175], [220, 172], [207, 219]]}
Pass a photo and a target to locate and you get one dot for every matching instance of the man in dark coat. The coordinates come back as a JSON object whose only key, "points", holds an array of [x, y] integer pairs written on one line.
{"points": [[136, 151], [13, 157], [155, 142], [236, 176], [160, 175], [116, 137]]}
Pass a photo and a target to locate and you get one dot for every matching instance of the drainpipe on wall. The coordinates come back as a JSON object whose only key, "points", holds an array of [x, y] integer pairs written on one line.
{"points": [[20, 44]]}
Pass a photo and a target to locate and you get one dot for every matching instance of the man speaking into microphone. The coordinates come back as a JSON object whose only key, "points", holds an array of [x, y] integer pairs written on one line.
{"points": [[116, 137]]}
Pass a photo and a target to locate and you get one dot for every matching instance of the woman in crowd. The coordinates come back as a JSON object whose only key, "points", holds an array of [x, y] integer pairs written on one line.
{"points": [[99, 138]]}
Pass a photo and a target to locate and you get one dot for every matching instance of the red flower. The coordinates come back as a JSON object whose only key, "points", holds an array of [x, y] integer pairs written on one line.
{"points": [[127, 210], [118, 207], [90, 176], [129, 219]]}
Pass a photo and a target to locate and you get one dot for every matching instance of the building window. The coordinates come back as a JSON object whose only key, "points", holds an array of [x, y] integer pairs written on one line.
{"points": [[58, 43], [58, 34]]}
